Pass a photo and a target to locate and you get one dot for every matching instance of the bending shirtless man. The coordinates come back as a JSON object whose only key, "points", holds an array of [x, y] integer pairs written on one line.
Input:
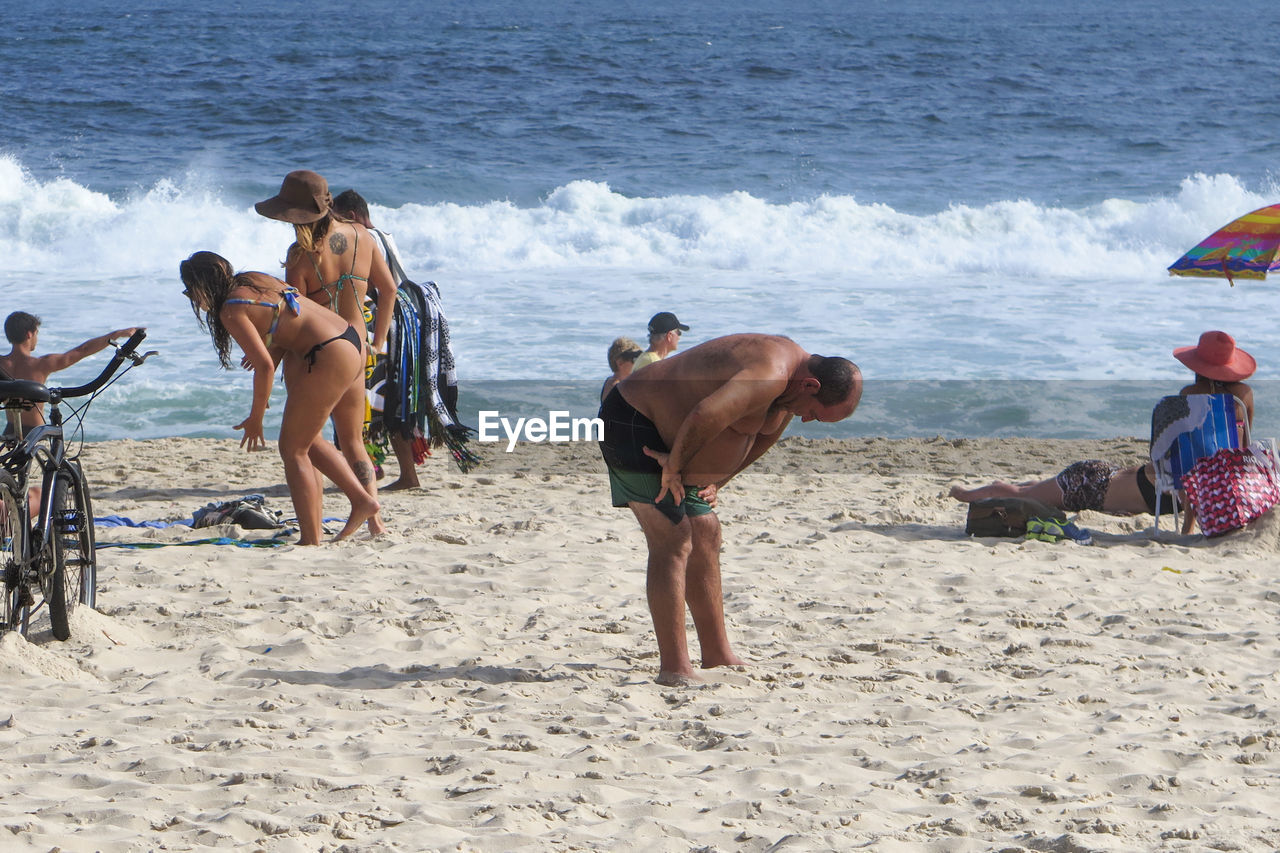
{"points": [[675, 433]]}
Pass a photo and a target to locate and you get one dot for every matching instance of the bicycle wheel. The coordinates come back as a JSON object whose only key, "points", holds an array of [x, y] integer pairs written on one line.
{"points": [[13, 536], [74, 577], [80, 555]]}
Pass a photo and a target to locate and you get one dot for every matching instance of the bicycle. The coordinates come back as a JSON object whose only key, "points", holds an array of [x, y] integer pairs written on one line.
{"points": [[52, 553]]}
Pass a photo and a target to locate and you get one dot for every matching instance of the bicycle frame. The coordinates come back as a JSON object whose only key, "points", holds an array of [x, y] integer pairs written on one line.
{"points": [[45, 446], [35, 564], [40, 565]]}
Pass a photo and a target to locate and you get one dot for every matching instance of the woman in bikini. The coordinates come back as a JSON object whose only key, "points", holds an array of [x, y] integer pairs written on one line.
{"points": [[321, 354], [333, 261]]}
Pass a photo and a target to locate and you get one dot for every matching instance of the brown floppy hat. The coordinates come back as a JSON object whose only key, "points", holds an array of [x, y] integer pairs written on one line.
{"points": [[303, 198], [1217, 357]]}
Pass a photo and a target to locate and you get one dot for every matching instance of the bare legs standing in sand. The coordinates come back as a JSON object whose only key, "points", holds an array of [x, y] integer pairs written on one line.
{"points": [[684, 569], [333, 262], [321, 354], [313, 393], [680, 429]]}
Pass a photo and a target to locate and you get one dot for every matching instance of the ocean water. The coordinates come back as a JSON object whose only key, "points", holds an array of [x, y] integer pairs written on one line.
{"points": [[975, 202]]}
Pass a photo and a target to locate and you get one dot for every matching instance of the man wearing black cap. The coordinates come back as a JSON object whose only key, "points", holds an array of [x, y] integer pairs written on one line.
{"points": [[664, 337]]}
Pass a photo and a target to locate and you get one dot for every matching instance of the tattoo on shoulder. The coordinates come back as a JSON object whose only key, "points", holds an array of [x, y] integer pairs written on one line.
{"points": [[338, 243]]}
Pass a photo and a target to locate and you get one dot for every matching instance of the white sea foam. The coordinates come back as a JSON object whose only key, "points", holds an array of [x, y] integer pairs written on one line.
{"points": [[1008, 290], [60, 226], [587, 225]]}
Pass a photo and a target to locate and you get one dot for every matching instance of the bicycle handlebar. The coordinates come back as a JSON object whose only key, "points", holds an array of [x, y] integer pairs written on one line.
{"points": [[124, 351], [35, 392]]}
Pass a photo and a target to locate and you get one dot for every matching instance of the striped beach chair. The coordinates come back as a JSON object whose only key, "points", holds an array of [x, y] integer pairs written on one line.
{"points": [[1184, 430]]}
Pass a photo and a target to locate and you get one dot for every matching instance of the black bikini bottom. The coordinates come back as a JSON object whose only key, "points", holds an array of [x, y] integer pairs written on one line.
{"points": [[1148, 491], [350, 335]]}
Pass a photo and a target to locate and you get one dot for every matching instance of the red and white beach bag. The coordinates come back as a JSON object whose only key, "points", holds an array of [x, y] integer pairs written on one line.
{"points": [[1231, 488]]}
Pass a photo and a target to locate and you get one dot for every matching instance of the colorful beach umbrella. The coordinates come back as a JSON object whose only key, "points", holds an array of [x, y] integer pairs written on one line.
{"points": [[1245, 248]]}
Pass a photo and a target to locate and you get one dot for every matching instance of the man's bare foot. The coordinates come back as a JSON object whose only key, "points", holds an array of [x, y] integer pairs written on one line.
{"points": [[961, 494], [376, 525], [366, 510], [677, 679], [402, 484]]}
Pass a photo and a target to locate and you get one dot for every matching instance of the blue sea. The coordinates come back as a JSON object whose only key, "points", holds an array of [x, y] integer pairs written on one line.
{"points": [[977, 202]]}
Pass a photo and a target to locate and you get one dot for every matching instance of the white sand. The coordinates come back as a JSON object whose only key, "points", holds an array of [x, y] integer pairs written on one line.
{"points": [[481, 678]]}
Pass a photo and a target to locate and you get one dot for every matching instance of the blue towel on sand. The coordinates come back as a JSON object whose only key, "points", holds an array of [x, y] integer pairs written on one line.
{"points": [[121, 521], [220, 540]]}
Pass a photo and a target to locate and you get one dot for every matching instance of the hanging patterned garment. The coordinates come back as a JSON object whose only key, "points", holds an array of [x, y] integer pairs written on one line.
{"points": [[419, 391]]}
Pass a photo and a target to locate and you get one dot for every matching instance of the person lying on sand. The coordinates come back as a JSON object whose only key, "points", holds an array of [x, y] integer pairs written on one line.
{"points": [[1219, 366], [1089, 484], [675, 433], [322, 355]]}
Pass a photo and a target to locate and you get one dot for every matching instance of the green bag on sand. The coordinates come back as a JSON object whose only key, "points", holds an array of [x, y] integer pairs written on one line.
{"points": [[1007, 516]]}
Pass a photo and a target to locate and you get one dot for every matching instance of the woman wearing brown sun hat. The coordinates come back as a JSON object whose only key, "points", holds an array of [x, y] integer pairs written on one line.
{"points": [[333, 261]]}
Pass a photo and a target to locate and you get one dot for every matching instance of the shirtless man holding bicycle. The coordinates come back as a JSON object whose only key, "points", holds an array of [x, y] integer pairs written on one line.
{"points": [[23, 331]]}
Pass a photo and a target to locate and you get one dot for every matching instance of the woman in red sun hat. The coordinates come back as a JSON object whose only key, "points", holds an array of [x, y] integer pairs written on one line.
{"points": [[1220, 368]]}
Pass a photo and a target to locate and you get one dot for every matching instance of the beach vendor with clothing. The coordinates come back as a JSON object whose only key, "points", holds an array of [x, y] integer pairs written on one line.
{"points": [[321, 353], [409, 453], [418, 384], [21, 362], [675, 434], [333, 262]]}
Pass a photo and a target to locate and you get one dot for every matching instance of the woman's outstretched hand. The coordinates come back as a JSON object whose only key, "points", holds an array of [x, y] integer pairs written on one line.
{"points": [[252, 434]]}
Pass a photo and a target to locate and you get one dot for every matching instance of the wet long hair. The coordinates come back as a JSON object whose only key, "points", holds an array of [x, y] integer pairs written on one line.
{"points": [[210, 275]]}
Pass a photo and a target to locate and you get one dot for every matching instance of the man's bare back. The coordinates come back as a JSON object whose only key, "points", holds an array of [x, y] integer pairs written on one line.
{"points": [[737, 387], [700, 417], [22, 363], [22, 366]]}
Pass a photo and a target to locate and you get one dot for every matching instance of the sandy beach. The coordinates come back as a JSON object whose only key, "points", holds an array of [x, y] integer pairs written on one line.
{"points": [[482, 677]]}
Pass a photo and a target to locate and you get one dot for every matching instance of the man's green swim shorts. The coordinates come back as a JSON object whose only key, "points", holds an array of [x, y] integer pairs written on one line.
{"points": [[643, 487], [634, 475]]}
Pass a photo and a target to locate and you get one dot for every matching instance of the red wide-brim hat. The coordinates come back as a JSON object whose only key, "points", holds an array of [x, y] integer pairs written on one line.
{"points": [[1217, 357]]}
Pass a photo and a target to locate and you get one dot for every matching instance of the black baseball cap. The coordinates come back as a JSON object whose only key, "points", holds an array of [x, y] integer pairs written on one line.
{"points": [[665, 321]]}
